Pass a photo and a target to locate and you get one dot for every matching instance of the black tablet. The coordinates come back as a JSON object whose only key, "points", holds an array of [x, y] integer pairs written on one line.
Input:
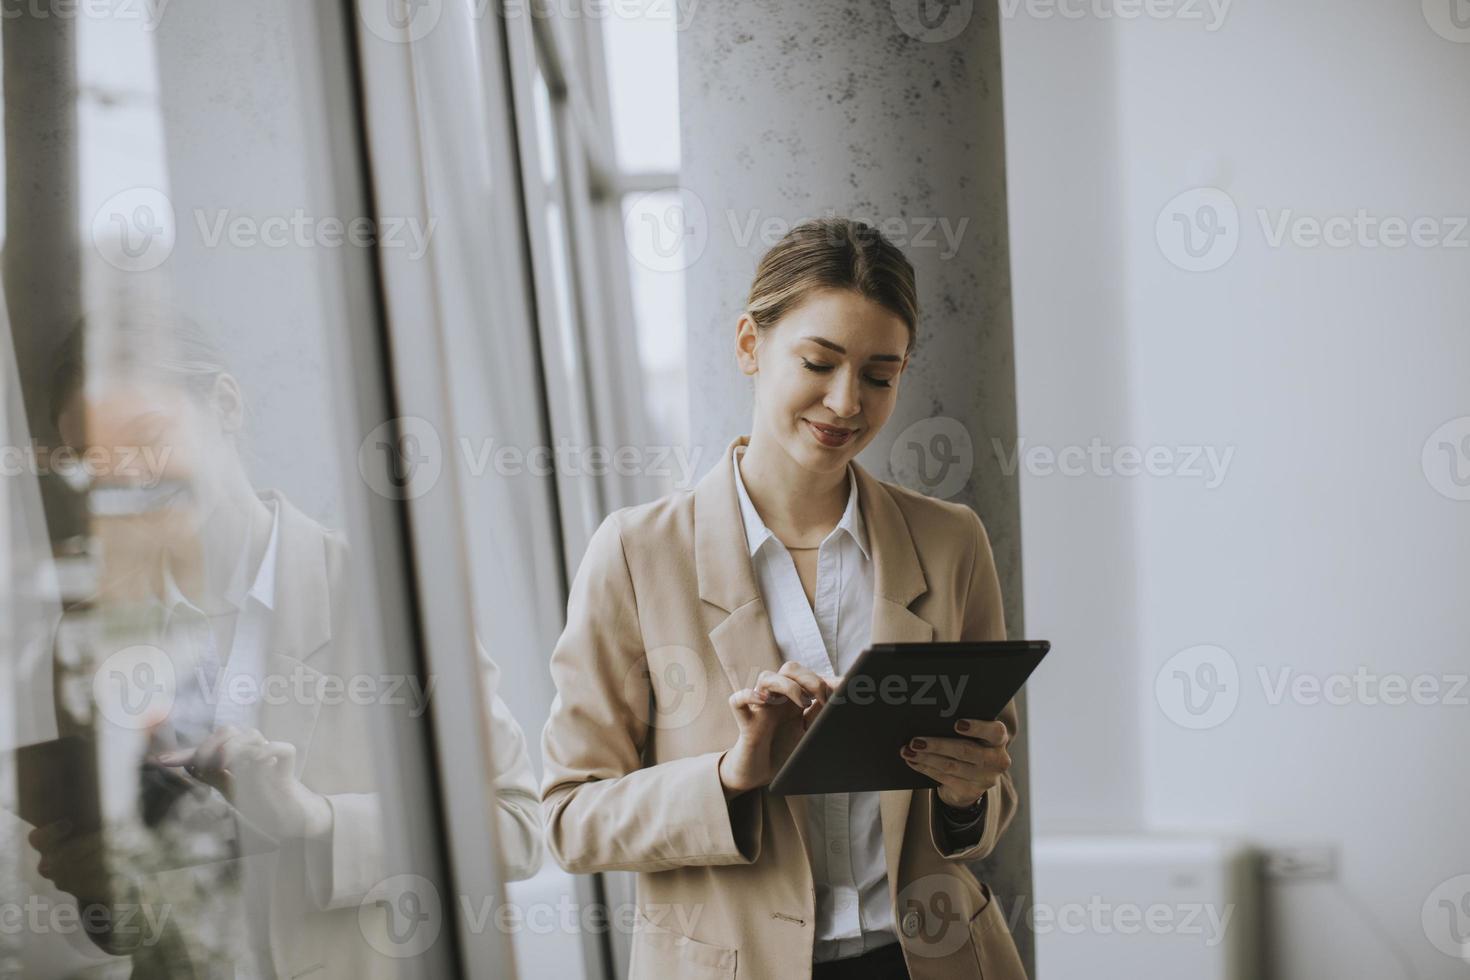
{"points": [[57, 780], [899, 691]]}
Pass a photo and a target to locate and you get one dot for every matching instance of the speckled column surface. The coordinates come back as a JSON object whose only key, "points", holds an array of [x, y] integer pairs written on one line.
{"points": [[889, 112]]}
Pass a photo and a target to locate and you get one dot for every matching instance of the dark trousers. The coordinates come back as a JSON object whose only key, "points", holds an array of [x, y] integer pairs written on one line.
{"points": [[883, 963]]}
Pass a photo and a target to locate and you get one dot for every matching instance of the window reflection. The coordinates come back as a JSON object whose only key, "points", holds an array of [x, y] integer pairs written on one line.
{"points": [[195, 701]]}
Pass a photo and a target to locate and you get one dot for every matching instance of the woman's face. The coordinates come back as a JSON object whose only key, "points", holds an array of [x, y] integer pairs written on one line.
{"points": [[157, 438], [826, 376]]}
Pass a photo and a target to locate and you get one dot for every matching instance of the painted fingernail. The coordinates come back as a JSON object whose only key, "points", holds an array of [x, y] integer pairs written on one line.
{"points": [[963, 726], [919, 743]]}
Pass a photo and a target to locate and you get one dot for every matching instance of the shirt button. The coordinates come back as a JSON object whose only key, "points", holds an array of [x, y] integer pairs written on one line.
{"points": [[910, 924], [835, 847], [844, 904]]}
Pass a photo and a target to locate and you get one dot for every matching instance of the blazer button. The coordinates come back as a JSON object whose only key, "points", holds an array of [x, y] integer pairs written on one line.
{"points": [[910, 924]]}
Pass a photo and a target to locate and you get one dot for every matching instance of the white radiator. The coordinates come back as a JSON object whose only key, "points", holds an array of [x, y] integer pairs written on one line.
{"points": [[1149, 906]]}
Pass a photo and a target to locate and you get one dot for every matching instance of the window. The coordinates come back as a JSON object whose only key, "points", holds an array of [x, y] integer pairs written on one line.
{"points": [[214, 736]]}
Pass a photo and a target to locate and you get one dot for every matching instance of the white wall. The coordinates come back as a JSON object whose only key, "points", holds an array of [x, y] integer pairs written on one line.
{"points": [[1326, 546]]}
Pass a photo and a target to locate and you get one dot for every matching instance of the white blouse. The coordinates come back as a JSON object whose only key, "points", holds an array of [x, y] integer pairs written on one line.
{"points": [[845, 830]]}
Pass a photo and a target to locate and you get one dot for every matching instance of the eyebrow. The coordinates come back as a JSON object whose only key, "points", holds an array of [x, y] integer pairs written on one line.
{"points": [[843, 350]]}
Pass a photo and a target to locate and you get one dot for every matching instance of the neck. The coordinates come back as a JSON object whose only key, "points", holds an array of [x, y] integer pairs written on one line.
{"points": [[240, 521], [799, 506]]}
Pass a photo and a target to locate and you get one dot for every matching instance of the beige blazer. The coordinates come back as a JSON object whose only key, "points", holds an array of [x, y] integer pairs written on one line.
{"points": [[664, 623], [323, 921]]}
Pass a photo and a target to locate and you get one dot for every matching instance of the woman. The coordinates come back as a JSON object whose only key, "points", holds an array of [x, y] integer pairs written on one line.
{"points": [[706, 628], [247, 761]]}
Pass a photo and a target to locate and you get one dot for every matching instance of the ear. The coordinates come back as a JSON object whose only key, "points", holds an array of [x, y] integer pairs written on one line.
{"points": [[228, 404], [747, 343]]}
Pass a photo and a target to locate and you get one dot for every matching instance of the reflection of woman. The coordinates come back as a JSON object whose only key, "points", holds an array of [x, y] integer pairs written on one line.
{"points": [[785, 562], [250, 607]]}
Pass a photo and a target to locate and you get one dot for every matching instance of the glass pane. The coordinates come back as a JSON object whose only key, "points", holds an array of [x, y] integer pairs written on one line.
{"points": [[561, 328], [643, 87], [658, 308], [199, 714]]}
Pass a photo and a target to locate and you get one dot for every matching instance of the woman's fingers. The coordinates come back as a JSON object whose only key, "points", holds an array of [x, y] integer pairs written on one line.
{"points": [[958, 759], [782, 685], [816, 686], [990, 732], [48, 837]]}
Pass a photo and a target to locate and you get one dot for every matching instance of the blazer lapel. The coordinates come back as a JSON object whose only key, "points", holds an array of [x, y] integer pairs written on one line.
{"points": [[301, 624], [743, 640]]}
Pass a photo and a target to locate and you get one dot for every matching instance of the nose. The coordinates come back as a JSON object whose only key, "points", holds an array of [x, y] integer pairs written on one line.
{"points": [[843, 395]]}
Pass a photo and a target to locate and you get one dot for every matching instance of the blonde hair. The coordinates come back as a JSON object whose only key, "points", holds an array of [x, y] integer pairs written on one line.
{"points": [[833, 253]]}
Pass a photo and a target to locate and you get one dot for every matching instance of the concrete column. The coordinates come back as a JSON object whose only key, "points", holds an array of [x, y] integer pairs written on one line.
{"points": [[889, 112]]}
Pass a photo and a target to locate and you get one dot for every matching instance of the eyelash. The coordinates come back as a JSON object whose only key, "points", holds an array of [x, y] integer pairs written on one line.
{"points": [[824, 368]]}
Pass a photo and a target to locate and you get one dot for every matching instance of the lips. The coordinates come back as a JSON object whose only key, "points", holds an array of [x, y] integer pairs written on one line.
{"points": [[832, 436]]}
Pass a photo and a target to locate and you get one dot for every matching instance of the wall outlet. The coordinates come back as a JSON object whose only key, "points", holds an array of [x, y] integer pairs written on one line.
{"points": [[1307, 861]]}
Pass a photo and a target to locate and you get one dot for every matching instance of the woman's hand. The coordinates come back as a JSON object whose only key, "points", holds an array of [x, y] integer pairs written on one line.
{"points": [[76, 863], [964, 767], [259, 777], [772, 715]]}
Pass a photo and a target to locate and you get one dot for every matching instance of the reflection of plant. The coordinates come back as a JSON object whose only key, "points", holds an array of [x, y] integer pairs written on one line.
{"points": [[186, 865]]}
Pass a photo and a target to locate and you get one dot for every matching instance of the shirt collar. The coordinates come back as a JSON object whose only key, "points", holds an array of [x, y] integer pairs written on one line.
{"points": [[262, 589], [756, 532]]}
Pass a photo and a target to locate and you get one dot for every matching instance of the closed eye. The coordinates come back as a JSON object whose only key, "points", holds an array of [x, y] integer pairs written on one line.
{"points": [[826, 368]]}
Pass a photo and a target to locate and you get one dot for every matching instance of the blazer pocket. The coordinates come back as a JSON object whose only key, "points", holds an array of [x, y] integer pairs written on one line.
{"points": [[995, 950], [659, 954]]}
